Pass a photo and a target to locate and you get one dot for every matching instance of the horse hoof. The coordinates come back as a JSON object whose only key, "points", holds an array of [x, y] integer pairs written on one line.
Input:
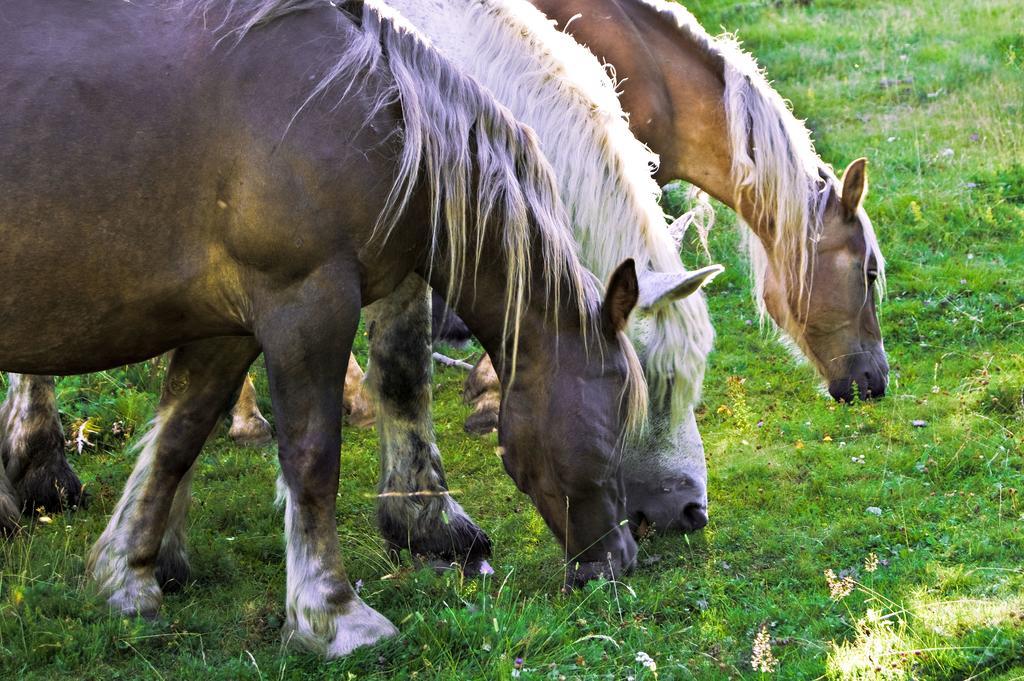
{"points": [[470, 559], [10, 517], [172, 571], [140, 599], [481, 423], [10, 508], [251, 432], [360, 626], [53, 486], [450, 540]]}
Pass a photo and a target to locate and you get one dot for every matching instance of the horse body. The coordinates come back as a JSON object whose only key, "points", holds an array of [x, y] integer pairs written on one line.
{"points": [[247, 188], [207, 189]]}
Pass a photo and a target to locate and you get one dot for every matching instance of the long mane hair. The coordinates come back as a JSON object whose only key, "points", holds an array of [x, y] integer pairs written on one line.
{"points": [[559, 88], [457, 138]]}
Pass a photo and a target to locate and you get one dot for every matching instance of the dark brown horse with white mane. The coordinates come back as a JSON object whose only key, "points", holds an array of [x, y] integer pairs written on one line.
{"points": [[243, 177]]}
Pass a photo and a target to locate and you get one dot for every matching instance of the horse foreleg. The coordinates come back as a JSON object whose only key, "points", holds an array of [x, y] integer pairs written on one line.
{"points": [[414, 507], [248, 427], [483, 392], [32, 445], [305, 360], [197, 390]]}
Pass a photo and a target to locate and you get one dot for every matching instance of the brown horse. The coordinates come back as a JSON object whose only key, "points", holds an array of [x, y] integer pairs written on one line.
{"points": [[241, 177], [704, 106]]}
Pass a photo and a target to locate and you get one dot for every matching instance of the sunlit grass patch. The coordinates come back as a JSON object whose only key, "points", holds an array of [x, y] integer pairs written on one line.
{"points": [[928, 637]]}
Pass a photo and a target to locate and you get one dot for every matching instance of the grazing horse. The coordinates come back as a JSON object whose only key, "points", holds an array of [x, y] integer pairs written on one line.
{"points": [[240, 177], [704, 106], [562, 92]]}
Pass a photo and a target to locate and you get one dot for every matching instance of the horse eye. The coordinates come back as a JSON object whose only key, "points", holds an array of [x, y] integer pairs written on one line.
{"points": [[872, 276]]}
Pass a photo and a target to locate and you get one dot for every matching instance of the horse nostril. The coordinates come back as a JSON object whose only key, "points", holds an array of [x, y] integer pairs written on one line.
{"points": [[695, 515], [874, 385]]}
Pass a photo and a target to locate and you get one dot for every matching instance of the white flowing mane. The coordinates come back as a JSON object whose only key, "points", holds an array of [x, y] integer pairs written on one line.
{"points": [[785, 176], [558, 87], [453, 128]]}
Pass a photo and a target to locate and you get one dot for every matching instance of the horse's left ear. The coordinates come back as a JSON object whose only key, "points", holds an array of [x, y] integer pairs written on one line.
{"points": [[660, 288], [619, 301], [855, 186]]}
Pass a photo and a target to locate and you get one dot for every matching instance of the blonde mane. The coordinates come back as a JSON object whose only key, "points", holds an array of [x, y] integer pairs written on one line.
{"points": [[454, 132], [558, 87], [785, 176]]}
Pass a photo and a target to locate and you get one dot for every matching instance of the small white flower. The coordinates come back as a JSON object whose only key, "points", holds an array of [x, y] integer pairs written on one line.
{"points": [[647, 661]]}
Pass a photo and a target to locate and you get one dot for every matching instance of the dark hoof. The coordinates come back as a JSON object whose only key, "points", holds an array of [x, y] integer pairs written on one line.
{"points": [[361, 418], [54, 487], [442, 546], [482, 422], [10, 516], [172, 571], [579, 574], [470, 566]]}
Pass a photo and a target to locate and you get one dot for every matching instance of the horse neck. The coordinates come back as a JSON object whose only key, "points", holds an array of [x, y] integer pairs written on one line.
{"points": [[673, 84], [557, 88]]}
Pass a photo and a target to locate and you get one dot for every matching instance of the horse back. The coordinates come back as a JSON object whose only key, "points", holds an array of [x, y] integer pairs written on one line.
{"points": [[160, 181]]}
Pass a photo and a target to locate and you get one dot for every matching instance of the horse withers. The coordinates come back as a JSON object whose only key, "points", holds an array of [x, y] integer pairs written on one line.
{"points": [[243, 177]]}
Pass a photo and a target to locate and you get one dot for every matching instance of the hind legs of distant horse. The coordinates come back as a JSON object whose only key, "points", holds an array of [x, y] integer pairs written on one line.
{"points": [[249, 427]]}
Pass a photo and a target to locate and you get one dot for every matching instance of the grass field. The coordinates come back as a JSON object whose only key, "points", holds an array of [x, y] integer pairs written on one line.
{"points": [[920, 526]]}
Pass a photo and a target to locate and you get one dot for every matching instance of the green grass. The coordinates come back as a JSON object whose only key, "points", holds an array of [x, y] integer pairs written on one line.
{"points": [[792, 475]]}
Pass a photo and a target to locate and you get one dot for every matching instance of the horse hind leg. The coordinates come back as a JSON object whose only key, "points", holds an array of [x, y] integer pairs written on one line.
{"points": [[172, 564], [133, 552], [358, 405], [414, 507], [32, 446], [250, 428]]}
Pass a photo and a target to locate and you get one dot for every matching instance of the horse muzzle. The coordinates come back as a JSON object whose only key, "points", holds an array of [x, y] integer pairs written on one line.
{"points": [[678, 504], [867, 379]]}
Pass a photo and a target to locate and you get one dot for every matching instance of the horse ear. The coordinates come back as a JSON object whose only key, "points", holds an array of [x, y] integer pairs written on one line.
{"points": [[619, 301], [855, 185], [660, 288]]}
